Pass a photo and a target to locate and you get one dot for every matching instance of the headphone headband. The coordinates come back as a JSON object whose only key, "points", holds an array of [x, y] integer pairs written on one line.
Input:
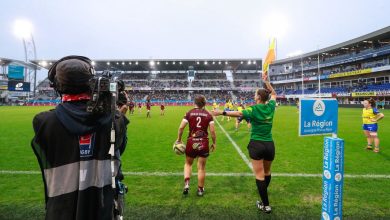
{"points": [[52, 71]]}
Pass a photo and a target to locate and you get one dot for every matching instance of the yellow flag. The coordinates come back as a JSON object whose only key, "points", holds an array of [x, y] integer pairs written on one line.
{"points": [[271, 56]]}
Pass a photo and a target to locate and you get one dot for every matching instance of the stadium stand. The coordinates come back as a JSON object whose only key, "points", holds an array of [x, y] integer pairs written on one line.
{"points": [[350, 71], [177, 81]]}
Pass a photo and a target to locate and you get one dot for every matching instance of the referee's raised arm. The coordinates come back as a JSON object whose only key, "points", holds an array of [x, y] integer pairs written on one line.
{"points": [[269, 87]]}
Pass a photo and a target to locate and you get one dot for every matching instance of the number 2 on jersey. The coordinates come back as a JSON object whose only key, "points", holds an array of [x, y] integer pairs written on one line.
{"points": [[199, 120]]}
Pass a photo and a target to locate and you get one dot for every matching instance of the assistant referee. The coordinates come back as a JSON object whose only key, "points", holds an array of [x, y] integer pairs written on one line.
{"points": [[261, 145]]}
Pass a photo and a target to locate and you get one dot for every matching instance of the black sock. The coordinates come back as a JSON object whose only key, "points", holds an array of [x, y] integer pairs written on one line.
{"points": [[268, 180], [262, 188]]}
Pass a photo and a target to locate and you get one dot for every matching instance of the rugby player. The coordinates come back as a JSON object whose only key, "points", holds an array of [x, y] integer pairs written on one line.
{"points": [[162, 107], [148, 107], [371, 116], [241, 107], [199, 121], [131, 107], [139, 107]]}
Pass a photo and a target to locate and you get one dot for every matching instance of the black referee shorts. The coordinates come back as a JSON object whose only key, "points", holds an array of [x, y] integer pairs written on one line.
{"points": [[259, 150]]}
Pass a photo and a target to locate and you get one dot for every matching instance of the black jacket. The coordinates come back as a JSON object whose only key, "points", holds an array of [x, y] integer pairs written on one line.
{"points": [[72, 147]]}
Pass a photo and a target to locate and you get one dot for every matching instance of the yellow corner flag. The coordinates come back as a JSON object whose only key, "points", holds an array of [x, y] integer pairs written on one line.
{"points": [[271, 56]]}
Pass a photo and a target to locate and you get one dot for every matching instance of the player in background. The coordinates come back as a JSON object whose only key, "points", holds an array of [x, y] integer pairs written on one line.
{"points": [[232, 106], [215, 105], [371, 116], [261, 146], [199, 121], [148, 107], [226, 109], [131, 107], [162, 107], [139, 107], [241, 107], [381, 104]]}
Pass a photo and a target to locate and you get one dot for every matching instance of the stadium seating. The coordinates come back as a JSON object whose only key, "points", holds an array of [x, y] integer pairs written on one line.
{"points": [[378, 87], [211, 83]]}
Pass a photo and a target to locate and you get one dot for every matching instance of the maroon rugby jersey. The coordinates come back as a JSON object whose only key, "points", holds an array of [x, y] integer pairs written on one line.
{"points": [[198, 120]]}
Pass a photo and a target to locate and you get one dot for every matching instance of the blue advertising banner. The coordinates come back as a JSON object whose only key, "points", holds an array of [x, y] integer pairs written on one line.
{"points": [[18, 86], [15, 72], [332, 179], [318, 116]]}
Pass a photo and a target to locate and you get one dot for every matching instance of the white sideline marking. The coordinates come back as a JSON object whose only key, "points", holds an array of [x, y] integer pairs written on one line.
{"points": [[357, 176], [19, 172], [244, 158]]}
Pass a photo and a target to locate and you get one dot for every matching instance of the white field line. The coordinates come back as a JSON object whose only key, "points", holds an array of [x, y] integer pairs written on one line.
{"points": [[244, 158], [168, 174]]}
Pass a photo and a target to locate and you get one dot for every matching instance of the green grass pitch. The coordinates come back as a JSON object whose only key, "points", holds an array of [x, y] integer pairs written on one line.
{"points": [[227, 197]]}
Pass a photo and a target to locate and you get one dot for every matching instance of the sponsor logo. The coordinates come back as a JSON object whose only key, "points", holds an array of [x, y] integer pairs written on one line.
{"points": [[325, 216], [351, 73], [196, 146], [319, 107], [338, 177], [86, 144], [327, 174], [361, 94]]}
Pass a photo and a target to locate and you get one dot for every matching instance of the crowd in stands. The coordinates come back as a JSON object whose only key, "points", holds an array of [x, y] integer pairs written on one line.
{"points": [[143, 83], [157, 84], [376, 87], [329, 71], [246, 76], [129, 76], [376, 63], [217, 75], [245, 83], [169, 84], [220, 96], [210, 83], [46, 95], [179, 95], [245, 96], [137, 95], [44, 85], [182, 76], [156, 95]]}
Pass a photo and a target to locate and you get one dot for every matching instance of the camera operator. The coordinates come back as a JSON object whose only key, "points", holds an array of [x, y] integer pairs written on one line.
{"points": [[72, 146], [120, 118]]}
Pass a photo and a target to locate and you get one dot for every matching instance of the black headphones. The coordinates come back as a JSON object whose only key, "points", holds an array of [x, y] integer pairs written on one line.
{"points": [[51, 75]]}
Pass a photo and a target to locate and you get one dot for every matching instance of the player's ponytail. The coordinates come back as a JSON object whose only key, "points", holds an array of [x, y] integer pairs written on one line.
{"points": [[372, 102]]}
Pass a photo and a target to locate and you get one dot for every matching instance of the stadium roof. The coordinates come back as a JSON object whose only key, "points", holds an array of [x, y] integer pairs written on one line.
{"points": [[379, 36], [7, 61], [167, 64]]}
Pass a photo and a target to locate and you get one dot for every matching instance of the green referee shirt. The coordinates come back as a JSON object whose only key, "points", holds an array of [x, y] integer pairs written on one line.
{"points": [[260, 116]]}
